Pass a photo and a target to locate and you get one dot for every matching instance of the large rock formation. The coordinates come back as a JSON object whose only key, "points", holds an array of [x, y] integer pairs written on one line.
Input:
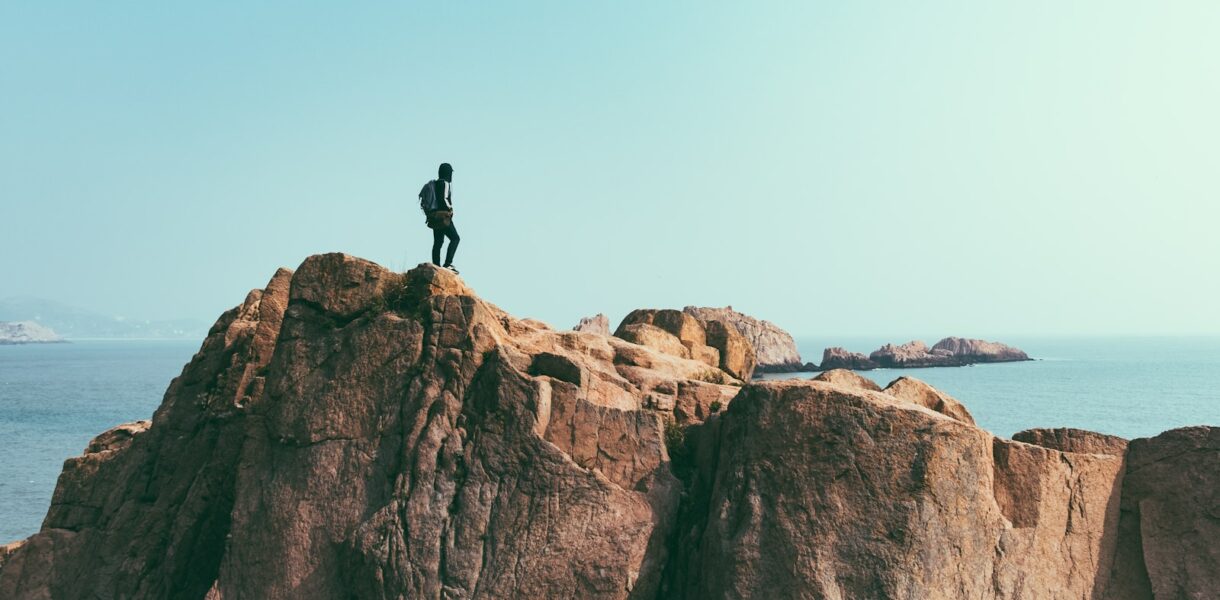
{"points": [[352, 432], [711, 342], [27, 332], [912, 354], [979, 351], [1170, 519], [949, 352], [819, 490], [839, 358], [774, 348]]}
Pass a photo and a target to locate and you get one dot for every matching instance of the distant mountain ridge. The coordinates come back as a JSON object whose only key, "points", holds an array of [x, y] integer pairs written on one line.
{"points": [[75, 323]]}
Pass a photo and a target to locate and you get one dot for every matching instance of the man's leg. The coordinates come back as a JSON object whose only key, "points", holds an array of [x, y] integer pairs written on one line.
{"points": [[452, 234], [438, 238]]}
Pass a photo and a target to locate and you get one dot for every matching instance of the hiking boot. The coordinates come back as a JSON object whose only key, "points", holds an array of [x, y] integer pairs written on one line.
{"points": [[452, 268]]}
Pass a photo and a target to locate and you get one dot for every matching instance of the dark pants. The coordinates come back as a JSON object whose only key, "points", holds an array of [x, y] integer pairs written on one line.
{"points": [[439, 233]]}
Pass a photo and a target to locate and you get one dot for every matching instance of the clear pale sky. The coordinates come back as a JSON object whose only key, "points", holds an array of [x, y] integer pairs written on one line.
{"points": [[866, 168]]}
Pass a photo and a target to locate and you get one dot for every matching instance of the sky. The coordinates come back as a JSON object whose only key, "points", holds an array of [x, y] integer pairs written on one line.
{"points": [[839, 168]]}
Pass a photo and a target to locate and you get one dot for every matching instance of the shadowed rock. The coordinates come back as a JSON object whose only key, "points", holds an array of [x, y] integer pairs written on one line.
{"points": [[774, 348]]}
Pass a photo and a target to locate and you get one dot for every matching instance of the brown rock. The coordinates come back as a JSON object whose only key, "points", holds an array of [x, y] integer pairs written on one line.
{"points": [[1170, 517], [911, 354], [686, 329], [822, 491], [839, 358], [1067, 439], [697, 400], [351, 432], [377, 435], [735, 353], [847, 378], [949, 352], [654, 337], [918, 392], [775, 350], [979, 351], [598, 324]]}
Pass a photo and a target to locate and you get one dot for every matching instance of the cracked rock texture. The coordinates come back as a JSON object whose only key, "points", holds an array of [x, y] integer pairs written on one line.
{"points": [[350, 432]]}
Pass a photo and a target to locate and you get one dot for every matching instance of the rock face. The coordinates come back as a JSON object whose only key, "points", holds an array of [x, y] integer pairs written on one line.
{"points": [[596, 324], [1170, 517], [838, 358], [774, 348], [818, 490], [26, 332], [352, 432], [918, 392], [1073, 440], [674, 332]]}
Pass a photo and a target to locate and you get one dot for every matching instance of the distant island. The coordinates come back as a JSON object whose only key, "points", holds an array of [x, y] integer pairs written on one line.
{"points": [[71, 322], [949, 352], [27, 332]]}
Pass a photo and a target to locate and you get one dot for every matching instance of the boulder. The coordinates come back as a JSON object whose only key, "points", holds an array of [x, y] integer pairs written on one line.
{"points": [[918, 392], [847, 378], [646, 334], [735, 352], [598, 324], [687, 330], [1170, 517], [839, 358], [823, 491], [775, 350]]}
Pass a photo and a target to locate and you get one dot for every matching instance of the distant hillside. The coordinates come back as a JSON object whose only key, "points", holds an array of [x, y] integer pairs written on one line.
{"points": [[26, 332], [74, 322]]}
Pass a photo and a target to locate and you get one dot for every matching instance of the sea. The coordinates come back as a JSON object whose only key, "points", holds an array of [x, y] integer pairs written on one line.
{"points": [[55, 397]]}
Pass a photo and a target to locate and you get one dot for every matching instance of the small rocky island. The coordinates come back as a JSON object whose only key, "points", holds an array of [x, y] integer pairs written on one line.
{"points": [[949, 352], [27, 332]]}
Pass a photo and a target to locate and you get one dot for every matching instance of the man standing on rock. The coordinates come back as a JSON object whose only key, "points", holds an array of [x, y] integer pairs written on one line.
{"points": [[436, 200]]}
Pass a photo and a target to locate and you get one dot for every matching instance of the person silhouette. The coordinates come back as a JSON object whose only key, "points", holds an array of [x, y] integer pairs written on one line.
{"points": [[437, 201]]}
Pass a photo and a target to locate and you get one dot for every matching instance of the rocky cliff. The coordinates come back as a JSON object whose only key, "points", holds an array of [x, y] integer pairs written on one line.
{"points": [[774, 348], [352, 432]]}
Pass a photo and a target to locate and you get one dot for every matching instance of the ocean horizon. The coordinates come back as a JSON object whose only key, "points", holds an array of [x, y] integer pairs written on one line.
{"points": [[54, 398]]}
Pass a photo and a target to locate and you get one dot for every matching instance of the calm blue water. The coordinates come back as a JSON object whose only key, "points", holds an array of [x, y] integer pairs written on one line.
{"points": [[1130, 387], [55, 398]]}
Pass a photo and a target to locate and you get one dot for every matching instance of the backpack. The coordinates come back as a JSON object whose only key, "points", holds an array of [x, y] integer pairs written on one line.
{"points": [[427, 197]]}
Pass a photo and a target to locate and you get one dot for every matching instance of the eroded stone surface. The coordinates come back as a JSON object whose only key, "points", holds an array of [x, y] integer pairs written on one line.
{"points": [[352, 432], [774, 348]]}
